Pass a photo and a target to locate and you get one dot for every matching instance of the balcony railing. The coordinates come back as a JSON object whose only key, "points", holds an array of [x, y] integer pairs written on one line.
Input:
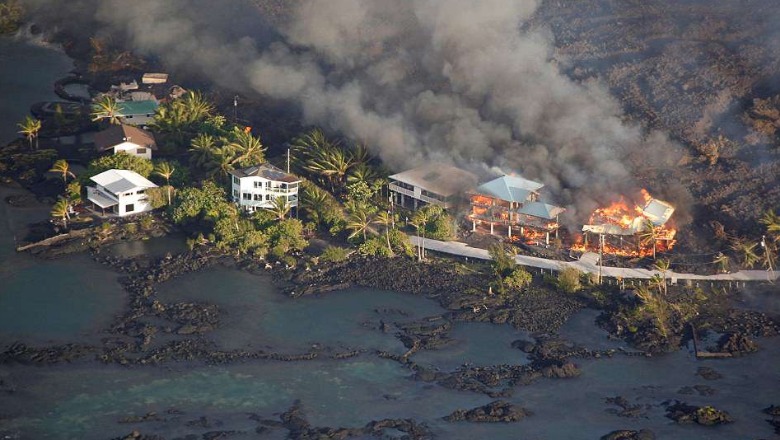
{"points": [[422, 198]]}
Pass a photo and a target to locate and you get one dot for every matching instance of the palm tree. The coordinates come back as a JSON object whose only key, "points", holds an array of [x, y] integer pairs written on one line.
{"points": [[165, 170], [60, 210], [648, 234], [362, 173], [195, 106], [772, 222], [30, 127], [106, 108], [387, 219], [663, 267], [61, 167], [202, 148], [73, 191], [420, 220], [358, 222], [221, 162], [722, 261], [280, 207], [314, 200], [248, 149], [746, 251], [333, 165]]}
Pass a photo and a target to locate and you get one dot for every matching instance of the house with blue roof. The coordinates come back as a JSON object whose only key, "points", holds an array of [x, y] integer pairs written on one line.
{"points": [[511, 204]]}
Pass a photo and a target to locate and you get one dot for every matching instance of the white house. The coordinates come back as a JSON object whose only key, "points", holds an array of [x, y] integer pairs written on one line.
{"points": [[127, 139], [258, 186], [121, 191]]}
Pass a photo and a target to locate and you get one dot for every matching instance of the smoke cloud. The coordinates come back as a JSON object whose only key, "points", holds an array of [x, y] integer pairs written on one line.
{"points": [[474, 83]]}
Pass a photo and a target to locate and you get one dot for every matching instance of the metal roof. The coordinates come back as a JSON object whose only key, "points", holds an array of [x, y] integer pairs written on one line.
{"points": [[100, 200], [658, 211], [541, 210], [444, 180], [510, 188], [117, 134], [119, 181], [266, 171]]}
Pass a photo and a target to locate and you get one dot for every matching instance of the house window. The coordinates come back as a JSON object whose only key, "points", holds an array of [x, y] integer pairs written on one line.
{"points": [[141, 150], [258, 184], [140, 191], [235, 193], [258, 197], [235, 180], [268, 196], [268, 184], [247, 196], [130, 208]]}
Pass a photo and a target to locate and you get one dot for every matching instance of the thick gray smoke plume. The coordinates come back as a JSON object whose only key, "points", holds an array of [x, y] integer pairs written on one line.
{"points": [[464, 81]]}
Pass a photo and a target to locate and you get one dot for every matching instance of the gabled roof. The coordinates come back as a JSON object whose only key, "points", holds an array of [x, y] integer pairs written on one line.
{"points": [[444, 180], [117, 134], [510, 188], [119, 181], [129, 108], [266, 171], [541, 210], [658, 211]]}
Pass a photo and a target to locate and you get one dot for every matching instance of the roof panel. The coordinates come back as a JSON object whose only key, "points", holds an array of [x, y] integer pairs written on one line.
{"points": [[444, 180]]}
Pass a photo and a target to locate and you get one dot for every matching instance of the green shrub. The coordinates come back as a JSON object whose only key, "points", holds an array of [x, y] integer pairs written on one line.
{"points": [[518, 279], [131, 228], [334, 254], [146, 222], [375, 246], [569, 280]]}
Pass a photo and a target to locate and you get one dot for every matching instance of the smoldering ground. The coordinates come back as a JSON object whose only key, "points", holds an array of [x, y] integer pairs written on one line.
{"points": [[475, 83]]}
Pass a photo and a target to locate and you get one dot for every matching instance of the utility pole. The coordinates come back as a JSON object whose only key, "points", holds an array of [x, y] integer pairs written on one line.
{"points": [[768, 254], [288, 160], [601, 254], [235, 109]]}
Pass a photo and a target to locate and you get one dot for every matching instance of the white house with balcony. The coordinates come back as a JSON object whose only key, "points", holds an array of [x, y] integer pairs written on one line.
{"points": [[257, 187], [122, 192], [435, 184], [125, 138]]}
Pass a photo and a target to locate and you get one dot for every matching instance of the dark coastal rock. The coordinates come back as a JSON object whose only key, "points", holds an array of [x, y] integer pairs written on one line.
{"points": [[626, 408], [148, 417], [625, 434], [702, 415], [736, 344], [136, 435], [523, 345], [497, 411], [772, 410], [219, 435], [702, 390], [708, 373], [55, 354]]}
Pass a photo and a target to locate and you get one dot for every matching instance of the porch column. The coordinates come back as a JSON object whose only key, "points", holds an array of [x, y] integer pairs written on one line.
{"points": [[547, 238], [522, 230], [473, 226], [415, 204], [402, 201], [509, 231], [491, 228]]}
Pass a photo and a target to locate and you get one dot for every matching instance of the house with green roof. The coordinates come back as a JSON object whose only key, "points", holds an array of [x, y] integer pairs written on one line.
{"points": [[136, 112], [511, 204]]}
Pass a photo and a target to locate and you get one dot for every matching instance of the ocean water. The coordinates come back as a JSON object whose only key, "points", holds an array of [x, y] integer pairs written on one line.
{"points": [[73, 299]]}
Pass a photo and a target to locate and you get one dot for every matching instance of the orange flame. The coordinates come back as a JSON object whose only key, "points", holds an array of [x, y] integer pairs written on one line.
{"points": [[637, 241]]}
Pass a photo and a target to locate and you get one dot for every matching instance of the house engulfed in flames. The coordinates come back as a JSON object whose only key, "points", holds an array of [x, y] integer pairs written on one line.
{"points": [[511, 204], [640, 231]]}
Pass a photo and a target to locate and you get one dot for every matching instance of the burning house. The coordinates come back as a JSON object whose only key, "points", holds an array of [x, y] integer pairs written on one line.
{"points": [[511, 203], [435, 184], [637, 231]]}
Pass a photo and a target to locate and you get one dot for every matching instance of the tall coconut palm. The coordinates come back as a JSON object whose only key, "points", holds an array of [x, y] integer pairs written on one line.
{"points": [[106, 107], [280, 207], [722, 262], [195, 106], [221, 162], [30, 127], [387, 219], [202, 149], [314, 201], [358, 222], [60, 210], [165, 170], [663, 266], [362, 173], [420, 221], [746, 251], [248, 149], [62, 168], [772, 222], [73, 191], [649, 235]]}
